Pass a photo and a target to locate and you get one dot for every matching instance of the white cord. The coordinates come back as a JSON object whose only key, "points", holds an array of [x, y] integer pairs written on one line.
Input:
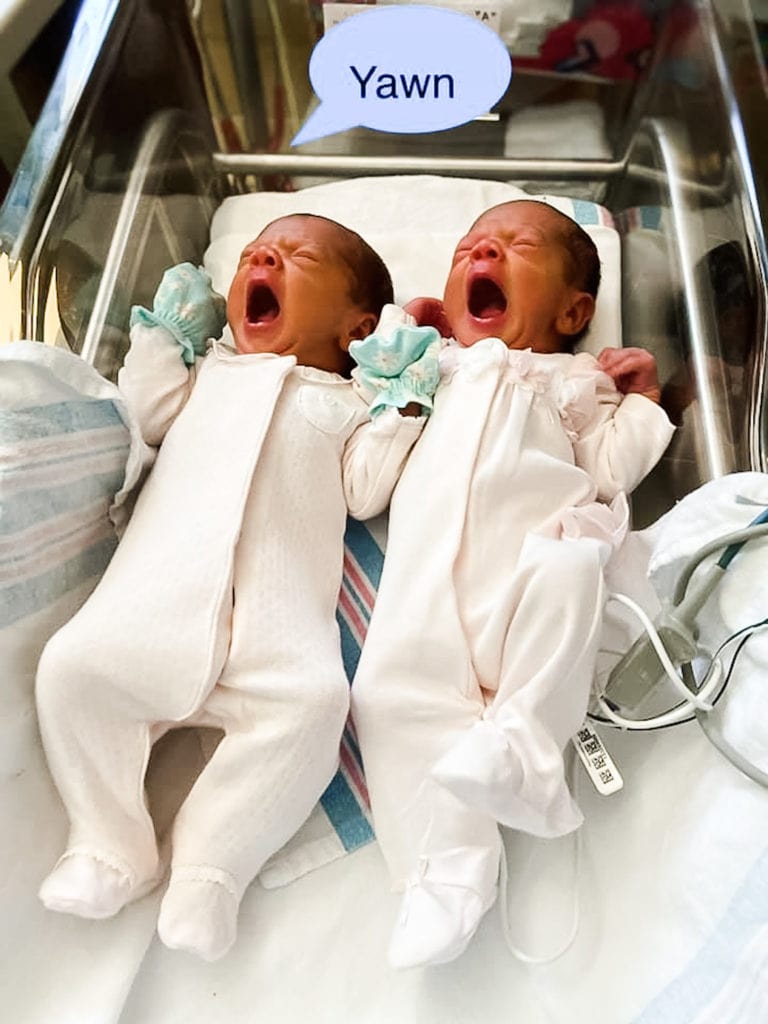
{"points": [[528, 958], [693, 699]]}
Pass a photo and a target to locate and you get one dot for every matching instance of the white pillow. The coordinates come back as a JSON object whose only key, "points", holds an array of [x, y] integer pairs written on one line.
{"points": [[414, 223]]}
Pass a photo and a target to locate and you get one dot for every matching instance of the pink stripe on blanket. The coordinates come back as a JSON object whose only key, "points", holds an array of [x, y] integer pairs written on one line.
{"points": [[351, 615], [350, 768], [357, 577]]}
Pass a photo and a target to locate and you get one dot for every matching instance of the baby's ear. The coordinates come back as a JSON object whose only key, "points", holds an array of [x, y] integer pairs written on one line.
{"points": [[576, 315], [361, 328]]}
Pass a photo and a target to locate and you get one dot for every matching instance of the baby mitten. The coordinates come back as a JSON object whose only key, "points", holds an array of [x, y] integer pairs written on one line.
{"points": [[398, 363], [187, 306]]}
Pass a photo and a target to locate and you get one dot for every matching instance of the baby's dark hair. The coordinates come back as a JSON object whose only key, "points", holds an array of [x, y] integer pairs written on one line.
{"points": [[370, 285], [582, 265]]}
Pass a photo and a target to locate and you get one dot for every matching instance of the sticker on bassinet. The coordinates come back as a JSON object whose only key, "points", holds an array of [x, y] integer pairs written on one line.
{"points": [[404, 69]]}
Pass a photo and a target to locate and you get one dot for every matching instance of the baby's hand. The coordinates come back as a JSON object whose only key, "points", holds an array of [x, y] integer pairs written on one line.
{"points": [[430, 313], [398, 365], [633, 371], [186, 305]]}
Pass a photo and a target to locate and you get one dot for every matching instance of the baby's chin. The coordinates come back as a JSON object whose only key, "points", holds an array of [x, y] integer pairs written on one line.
{"points": [[251, 342], [468, 338]]}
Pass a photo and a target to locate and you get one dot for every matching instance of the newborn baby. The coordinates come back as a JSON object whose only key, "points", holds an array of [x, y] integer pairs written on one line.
{"points": [[218, 608], [480, 653]]}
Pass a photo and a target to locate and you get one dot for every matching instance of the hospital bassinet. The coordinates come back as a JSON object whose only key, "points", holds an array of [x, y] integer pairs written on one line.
{"points": [[121, 179]]}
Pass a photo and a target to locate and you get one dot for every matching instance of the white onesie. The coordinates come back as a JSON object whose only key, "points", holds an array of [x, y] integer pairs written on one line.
{"points": [[218, 608], [481, 647]]}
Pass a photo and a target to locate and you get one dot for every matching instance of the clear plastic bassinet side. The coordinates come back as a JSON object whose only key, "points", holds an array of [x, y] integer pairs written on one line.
{"points": [[116, 182]]}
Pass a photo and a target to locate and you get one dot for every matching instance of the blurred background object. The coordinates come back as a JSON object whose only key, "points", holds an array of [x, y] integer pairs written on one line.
{"points": [[33, 37]]}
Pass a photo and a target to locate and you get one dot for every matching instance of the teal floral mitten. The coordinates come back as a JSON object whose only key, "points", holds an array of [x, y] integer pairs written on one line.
{"points": [[398, 365], [186, 305]]}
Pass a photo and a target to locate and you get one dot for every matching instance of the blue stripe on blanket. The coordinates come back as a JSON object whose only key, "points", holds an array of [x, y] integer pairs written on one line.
{"points": [[365, 549], [40, 504], [585, 212], [716, 962], [68, 417], [343, 810], [69, 462], [17, 600], [350, 649], [354, 747]]}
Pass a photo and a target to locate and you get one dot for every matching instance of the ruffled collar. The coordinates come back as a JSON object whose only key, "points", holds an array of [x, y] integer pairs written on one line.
{"points": [[531, 369]]}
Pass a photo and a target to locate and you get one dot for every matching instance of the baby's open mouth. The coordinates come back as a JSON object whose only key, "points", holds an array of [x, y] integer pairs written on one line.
{"points": [[486, 299], [262, 306]]}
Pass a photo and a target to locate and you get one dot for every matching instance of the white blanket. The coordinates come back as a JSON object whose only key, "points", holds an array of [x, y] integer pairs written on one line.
{"points": [[672, 880]]}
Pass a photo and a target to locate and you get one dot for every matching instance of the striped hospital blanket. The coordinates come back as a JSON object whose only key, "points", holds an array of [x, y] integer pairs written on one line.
{"points": [[61, 465]]}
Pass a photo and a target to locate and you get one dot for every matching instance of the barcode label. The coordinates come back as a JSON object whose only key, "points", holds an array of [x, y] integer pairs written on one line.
{"points": [[598, 762]]}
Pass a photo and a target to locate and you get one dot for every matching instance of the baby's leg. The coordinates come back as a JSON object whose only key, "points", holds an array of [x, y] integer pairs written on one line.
{"points": [[97, 747], [510, 763], [413, 697], [279, 752]]}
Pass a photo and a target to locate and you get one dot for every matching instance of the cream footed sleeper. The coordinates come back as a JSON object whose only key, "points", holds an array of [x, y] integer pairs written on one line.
{"points": [[480, 652], [217, 609]]}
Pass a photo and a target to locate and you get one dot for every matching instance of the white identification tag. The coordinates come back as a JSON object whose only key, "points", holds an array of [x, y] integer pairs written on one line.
{"points": [[598, 762]]}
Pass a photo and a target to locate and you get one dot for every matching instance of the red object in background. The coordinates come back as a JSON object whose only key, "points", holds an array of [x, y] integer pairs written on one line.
{"points": [[612, 41]]}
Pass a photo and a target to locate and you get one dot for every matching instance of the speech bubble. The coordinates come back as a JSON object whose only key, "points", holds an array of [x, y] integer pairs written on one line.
{"points": [[404, 69]]}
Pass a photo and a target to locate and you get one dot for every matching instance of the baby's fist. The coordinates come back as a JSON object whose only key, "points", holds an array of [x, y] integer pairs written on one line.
{"points": [[633, 371], [430, 313]]}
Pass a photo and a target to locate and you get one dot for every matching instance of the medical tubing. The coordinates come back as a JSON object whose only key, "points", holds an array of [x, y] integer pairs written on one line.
{"points": [[732, 542], [730, 753], [733, 549], [527, 958], [716, 737]]}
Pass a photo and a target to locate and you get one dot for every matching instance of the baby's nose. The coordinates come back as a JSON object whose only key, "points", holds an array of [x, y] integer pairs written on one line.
{"points": [[265, 256], [486, 249]]}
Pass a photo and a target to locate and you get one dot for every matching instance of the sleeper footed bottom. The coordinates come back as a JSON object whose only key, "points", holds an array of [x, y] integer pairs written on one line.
{"points": [[443, 905], [87, 886], [199, 912]]}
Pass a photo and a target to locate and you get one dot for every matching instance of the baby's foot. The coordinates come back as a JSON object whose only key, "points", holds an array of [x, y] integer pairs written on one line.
{"points": [[85, 886], [443, 906], [199, 912]]}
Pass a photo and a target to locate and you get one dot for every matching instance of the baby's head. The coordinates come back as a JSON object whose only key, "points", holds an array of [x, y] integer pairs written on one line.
{"points": [[524, 273], [306, 286]]}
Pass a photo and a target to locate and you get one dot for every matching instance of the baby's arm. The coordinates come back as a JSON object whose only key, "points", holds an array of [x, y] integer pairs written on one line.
{"points": [[396, 377], [155, 381], [621, 436], [166, 341], [373, 460]]}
